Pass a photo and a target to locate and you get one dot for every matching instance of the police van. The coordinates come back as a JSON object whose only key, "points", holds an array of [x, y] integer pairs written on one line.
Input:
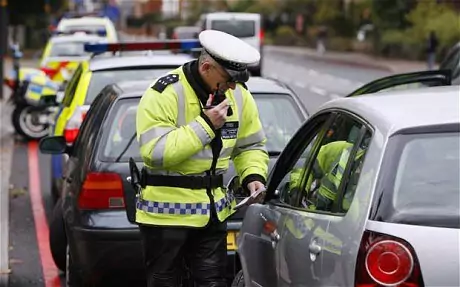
{"points": [[246, 26]]}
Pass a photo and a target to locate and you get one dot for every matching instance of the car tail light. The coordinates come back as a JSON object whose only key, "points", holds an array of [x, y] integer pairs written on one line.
{"points": [[385, 260], [73, 125], [261, 36], [10, 83], [101, 191]]}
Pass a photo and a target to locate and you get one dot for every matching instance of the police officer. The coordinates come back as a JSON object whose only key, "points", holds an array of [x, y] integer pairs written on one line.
{"points": [[190, 124]]}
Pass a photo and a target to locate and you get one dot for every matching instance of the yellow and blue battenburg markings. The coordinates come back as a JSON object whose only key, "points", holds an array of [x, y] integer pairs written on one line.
{"points": [[184, 45], [39, 86]]}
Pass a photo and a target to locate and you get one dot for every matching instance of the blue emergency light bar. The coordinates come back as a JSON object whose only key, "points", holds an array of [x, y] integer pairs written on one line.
{"points": [[186, 45], [100, 32]]}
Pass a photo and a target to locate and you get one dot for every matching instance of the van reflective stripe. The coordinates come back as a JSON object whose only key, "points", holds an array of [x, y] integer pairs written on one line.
{"points": [[152, 134], [238, 94], [207, 153], [179, 88], [181, 208]]}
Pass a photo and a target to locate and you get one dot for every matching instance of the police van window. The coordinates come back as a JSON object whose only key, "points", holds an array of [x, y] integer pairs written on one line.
{"points": [[72, 87], [100, 79], [68, 49], [322, 181], [237, 28]]}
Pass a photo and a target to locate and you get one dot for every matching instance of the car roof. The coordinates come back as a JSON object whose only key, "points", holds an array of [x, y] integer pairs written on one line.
{"points": [[77, 37], [392, 111], [103, 63], [257, 85]]}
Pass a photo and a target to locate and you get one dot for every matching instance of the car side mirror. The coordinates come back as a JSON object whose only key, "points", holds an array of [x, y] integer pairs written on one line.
{"points": [[54, 145]]}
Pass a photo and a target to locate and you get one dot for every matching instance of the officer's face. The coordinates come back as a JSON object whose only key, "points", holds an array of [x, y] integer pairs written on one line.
{"points": [[220, 78]]}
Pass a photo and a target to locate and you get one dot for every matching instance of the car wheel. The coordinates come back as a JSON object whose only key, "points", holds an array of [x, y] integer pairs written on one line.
{"points": [[58, 237], [238, 281]]}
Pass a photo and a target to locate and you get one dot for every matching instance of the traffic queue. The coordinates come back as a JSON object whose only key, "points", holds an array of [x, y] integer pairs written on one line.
{"points": [[340, 206]]}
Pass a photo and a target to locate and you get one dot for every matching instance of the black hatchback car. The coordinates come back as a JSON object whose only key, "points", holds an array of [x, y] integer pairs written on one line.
{"points": [[90, 230]]}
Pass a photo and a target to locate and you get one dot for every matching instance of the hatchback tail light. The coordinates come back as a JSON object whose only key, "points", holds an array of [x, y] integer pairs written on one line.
{"points": [[261, 36], [101, 191], [73, 125], [385, 260]]}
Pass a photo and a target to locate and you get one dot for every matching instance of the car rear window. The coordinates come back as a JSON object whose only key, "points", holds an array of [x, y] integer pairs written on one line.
{"points": [[237, 28], [278, 130], [426, 182], [100, 79]]}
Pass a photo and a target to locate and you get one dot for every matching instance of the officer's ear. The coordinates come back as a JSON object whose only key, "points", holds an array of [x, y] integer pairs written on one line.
{"points": [[205, 67]]}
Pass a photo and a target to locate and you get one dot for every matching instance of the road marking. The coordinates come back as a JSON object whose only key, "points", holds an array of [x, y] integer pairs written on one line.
{"points": [[318, 91], [300, 84], [50, 271]]}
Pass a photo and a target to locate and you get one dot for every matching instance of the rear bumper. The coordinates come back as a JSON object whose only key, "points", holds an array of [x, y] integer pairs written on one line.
{"points": [[110, 251]]}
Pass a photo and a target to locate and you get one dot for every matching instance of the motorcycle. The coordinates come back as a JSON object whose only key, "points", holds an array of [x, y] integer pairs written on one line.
{"points": [[34, 97]]}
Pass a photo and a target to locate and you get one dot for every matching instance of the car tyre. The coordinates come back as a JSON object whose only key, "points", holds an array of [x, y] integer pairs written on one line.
{"points": [[238, 281], [58, 237]]}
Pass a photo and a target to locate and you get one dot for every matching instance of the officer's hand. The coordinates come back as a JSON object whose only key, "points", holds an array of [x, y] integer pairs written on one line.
{"points": [[256, 186], [218, 114]]}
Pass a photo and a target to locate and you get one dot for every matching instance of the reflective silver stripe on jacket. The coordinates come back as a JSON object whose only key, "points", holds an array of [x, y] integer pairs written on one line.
{"points": [[179, 88], [252, 142], [153, 133], [238, 94], [171, 173]]}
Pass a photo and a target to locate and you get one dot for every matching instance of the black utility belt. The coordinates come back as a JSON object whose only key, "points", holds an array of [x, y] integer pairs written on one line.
{"points": [[191, 182]]}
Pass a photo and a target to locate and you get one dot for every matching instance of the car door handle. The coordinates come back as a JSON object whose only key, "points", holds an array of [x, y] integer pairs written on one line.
{"points": [[314, 248]]}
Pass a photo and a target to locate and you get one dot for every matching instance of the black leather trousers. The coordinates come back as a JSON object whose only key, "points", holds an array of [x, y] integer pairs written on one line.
{"points": [[167, 250]]}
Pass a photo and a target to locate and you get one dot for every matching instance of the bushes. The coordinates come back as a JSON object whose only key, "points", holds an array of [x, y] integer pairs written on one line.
{"points": [[286, 36]]}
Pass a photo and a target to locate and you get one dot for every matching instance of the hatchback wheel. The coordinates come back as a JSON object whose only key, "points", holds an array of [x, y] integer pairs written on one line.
{"points": [[58, 238], [238, 281]]}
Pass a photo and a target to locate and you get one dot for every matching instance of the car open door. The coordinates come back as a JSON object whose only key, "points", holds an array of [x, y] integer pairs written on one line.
{"points": [[407, 80]]}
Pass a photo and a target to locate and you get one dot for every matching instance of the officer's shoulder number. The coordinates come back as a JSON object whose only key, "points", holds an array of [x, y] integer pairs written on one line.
{"points": [[164, 81]]}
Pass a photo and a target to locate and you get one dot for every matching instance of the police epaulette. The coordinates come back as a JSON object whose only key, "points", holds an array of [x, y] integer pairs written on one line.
{"points": [[164, 81]]}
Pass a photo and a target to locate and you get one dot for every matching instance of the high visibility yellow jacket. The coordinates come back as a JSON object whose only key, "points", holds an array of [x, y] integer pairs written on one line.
{"points": [[174, 140]]}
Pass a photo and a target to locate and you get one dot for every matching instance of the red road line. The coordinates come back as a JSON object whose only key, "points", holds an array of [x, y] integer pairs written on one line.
{"points": [[50, 271]]}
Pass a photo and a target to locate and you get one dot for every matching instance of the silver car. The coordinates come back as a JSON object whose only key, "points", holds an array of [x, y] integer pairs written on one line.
{"points": [[366, 193]]}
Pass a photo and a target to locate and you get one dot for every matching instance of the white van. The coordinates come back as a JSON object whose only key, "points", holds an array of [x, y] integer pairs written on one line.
{"points": [[246, 26]]}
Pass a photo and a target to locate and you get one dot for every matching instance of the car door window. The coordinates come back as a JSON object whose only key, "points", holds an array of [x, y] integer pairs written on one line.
{"points": [[324, 178], [72, 87]]}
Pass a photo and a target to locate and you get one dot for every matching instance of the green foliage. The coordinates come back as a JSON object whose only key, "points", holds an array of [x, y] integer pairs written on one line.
{"points": [[286, 35]]}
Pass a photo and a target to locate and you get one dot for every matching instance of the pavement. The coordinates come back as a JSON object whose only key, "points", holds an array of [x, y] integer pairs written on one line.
{"points": [[316, 79], [6, 156], [354, 59]]}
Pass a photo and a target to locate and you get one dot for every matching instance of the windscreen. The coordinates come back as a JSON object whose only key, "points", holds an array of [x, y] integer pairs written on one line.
{"points": [[100, 79], [279, 114], [91, 28], [68, 49], [237, 28], [426, 185]]}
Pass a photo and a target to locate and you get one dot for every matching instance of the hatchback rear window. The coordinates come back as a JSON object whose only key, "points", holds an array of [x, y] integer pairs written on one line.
{"points": [[237, 28], [100, 79], [426, 182], [278, 131]]}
